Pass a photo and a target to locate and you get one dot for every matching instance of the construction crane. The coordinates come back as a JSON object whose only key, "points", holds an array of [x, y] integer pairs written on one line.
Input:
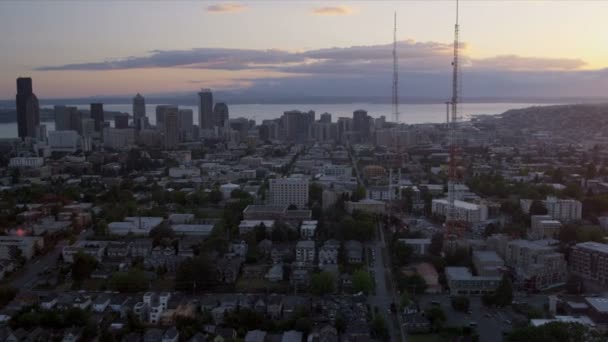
{"points": [[454, 227]]}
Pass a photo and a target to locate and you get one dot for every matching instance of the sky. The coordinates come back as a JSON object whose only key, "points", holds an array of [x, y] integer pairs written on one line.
{"points": [[331, 48]]}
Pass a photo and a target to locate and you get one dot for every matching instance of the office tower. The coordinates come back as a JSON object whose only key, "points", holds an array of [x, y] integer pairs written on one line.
{"points": [[171, 129], [139, 107], [186, 124], [298, 125], [118, 138], [288, 191], [75, 119], [62, 118], [220, 113], [205, 109], [161, 112], [97, 115], [345, 125], [121, 121], [361, 124], [88, 127], [28, 110], [325, 118]]}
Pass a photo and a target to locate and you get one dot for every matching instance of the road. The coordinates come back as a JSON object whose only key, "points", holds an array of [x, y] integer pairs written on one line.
{"points": [[385, 292]]}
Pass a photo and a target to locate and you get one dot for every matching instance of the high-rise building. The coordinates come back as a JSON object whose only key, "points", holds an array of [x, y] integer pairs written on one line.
{"points": [[288, 191], [28, 110], [220, 113], [88, 127], [589, 260], [361, 124], [161, 112], [97, 115], [75, 119], [186, 124], [298, 125], [171, 129], [121, 121], [325, 118], [62, 118], [139, 107], [205, 109], [345, 125]]}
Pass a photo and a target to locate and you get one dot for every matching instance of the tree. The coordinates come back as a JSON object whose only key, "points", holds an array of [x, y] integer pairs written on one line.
{"points": [[401, 253], [555, 331], [215, 196], [322, 283], [315, 192], [131, 281], [460, 303], [161, 233], [414, 284], [436, 244], [363, 282], [7, 294], [194, 274], [538, 208], [82, 267], [436, 316], [504, 293], [379, 328], [359, 194]]}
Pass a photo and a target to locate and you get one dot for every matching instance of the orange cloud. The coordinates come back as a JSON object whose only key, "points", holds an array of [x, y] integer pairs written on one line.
{"points": [[333, 10], [226, 8]]}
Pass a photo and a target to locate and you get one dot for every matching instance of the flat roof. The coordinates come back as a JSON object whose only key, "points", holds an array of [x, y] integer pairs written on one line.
{"points": [[595, 246], [599, 303], [487, 256]]}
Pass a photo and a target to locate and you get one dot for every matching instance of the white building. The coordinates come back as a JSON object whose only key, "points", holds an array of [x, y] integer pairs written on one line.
{"points": [[288, 191], [462, 282], [26, 245], [202, 230], [487, 263], [564, 210], [184, 172], [538, 266], [308, 229], [247, 226], [544, 227], [64, 141], [140, 225], [96, 249], [26, 162], [157, 304], [338, 171], [118, 138], [468, 212], [227, 189], [419, 246], [305, 251]]}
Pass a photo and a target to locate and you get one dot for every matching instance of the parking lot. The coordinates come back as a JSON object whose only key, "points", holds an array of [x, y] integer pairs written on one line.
{"points": [[489, 323]]}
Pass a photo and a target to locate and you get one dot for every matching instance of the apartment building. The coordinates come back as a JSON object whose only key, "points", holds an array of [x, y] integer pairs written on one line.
{"points": [[468, 212], [288, 191], [590, 261]]}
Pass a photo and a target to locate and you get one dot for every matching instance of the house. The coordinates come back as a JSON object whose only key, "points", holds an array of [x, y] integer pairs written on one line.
{"points": [[141, 248], [72, 334], [48, 302], [275, 306], [300, 277], [171, 335], [7, 335], [416, 323], [254, 271], [198, 337], [305, 251], [264, 248], [157, 304], [308, 229], [118, 249], [328, 253], [275, 273], [279, 253], [239, 248], [259, 305], [132, 337], [228, 269], [153, 335], [354, 252], [101, 303], [326, 333], [255, 336], [82, 302], [224, 334], [119, 303], [292, 336]]}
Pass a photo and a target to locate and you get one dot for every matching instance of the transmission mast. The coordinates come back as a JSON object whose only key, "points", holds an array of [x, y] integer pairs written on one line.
{"points": [[454, 227], [395, 73]]}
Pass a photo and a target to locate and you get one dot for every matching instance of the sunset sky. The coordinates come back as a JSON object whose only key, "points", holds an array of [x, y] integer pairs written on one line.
{"points": [[514, 48]]}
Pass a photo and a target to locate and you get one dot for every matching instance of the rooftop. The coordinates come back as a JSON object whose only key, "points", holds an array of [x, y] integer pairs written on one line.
{"points": [[598, 303], [594, 246]]}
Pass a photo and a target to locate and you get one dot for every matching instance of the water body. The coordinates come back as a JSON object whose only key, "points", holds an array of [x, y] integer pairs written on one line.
{"points": [[410, 113]]}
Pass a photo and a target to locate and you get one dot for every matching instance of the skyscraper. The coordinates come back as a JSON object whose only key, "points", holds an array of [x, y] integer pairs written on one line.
{"points": [[161, 112], [186, 124], [139, 107], [75, 117], [220, 113], [298, 125], [361, 124], [121, 121], [28, 110], [171, 129], [62, 118], [205, 109], [97, 115], [325, 118]]}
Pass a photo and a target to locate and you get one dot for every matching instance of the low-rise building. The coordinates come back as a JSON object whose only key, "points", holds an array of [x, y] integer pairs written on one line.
{"points": [[13, 246], [462, 282], [419, 246], [469, 212], [308, 229], [354, 251], [590, 261], [367, 205], [544, 227], [487, 263], [305, 251]]}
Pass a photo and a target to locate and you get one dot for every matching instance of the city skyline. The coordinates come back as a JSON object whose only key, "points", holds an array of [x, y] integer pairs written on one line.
{"points": [[510, 47]]}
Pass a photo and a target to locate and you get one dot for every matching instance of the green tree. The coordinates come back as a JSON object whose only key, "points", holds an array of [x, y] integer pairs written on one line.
{"points": [[359, 194], [436, 244], [504, 293], [7, 294], [195, 274], [363, 282], [82, 267], [215, 196], [401, 253], [132, 281], [436, 316], [315, 192], [322, 283], [537, 208], [379, 328], [460, 303]]}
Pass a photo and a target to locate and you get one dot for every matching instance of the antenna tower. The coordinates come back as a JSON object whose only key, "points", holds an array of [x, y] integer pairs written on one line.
{"points": [[395, 73], [454, 226]]}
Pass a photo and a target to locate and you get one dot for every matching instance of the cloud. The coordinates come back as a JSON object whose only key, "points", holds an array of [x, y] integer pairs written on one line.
{"points": [[333, 10], [424, 70], [226, 8]]}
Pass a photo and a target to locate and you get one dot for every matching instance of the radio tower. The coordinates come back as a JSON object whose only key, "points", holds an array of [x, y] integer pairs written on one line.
{"points": [[454, 226], [395, 73]]}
